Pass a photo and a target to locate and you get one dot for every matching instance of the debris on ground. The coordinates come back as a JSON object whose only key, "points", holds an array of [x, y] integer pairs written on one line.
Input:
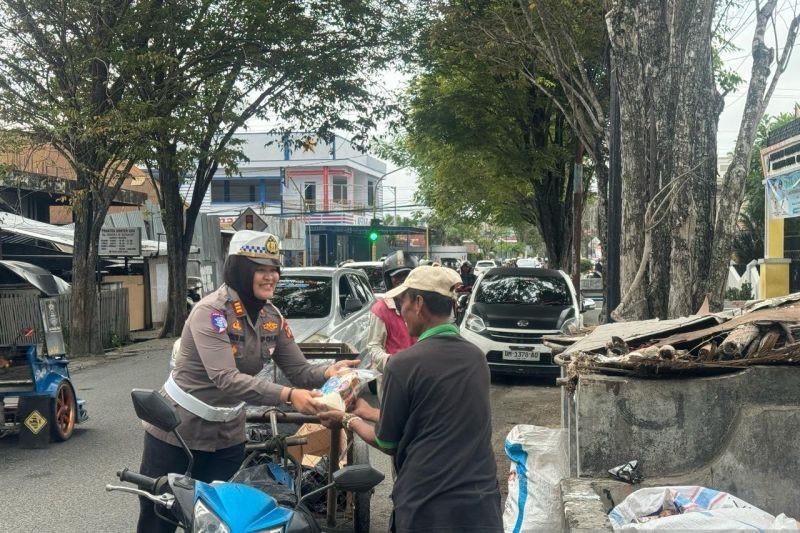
{"points": [[629, 473], [763, 332]]}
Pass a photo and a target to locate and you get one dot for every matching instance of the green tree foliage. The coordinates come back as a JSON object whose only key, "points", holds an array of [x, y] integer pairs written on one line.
{"points": [[205, 68], [62, 83], [488, 144]]}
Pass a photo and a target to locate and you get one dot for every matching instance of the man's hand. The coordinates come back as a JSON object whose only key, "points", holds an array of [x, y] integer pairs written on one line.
{"points": [[331, 419], [363, 409], [303, 401], [339, 365]]}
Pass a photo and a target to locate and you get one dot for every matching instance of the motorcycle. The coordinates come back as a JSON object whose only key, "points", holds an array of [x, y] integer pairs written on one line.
{"points": [[224, 506]]}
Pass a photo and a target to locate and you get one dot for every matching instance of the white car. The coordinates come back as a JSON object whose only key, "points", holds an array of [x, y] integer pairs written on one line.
{"points": [[528, 262], [509, 311], [483, 265]]}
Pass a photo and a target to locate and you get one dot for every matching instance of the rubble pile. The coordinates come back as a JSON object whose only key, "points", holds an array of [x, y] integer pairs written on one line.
{"points": [[764, 332]]}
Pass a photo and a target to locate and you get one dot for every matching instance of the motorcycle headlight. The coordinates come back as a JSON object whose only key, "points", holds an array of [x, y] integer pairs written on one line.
{"points": [[475, 323], [207, 522], [569, 327]]}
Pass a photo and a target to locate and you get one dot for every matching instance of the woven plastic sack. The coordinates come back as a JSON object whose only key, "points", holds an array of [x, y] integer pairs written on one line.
{"points": [[539, 462]]}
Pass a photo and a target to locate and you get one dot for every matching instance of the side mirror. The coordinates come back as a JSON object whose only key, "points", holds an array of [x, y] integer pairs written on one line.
{"points": [[587, 305], [351, 305], [462, 301], [356, 478], [151, 407]]}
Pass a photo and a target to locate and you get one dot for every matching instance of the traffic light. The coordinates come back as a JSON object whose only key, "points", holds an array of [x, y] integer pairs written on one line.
{"points": [[374, 229]]}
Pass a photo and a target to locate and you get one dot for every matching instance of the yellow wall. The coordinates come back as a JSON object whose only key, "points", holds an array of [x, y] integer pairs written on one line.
{"points": [[135, 286]]}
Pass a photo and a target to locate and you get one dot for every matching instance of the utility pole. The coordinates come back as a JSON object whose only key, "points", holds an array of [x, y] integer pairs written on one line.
{"points": [[577, 215], [612, 252]]}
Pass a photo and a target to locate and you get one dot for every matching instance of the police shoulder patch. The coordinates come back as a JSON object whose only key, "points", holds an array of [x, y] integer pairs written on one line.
{"points": [[218, 322]]}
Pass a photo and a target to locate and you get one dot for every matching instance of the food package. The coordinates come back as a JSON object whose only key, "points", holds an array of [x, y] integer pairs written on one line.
{"points": [[345, 387]]}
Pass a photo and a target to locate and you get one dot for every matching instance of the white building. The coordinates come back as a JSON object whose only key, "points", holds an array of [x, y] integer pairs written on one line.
{"points": [[328, 186]]}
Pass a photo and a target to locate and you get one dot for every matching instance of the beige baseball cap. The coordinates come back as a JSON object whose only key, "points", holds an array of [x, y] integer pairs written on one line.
{"points": [[429, 278]]}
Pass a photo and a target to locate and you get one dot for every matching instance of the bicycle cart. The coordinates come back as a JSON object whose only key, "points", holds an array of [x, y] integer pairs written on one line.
{"points": [[356, 513]]}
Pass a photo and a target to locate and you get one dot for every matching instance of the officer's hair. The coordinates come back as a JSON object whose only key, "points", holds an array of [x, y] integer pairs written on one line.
{"points": [[437, 304]]}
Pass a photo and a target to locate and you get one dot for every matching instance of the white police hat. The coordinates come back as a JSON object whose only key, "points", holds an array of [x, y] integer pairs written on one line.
{"points": [[258, 246]]}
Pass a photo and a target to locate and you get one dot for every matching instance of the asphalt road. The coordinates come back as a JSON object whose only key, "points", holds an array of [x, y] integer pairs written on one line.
{"points": [[62, 489]]}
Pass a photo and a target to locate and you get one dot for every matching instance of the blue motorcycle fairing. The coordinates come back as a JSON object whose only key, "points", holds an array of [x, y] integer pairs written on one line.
{"points": [[243, 509]]}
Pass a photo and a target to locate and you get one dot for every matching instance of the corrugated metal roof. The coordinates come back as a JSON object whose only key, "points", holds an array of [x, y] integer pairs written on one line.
{"points": [[61, 235]]}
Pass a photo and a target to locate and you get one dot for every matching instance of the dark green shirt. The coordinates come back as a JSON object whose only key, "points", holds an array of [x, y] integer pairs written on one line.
{"points": [[436, 413]]}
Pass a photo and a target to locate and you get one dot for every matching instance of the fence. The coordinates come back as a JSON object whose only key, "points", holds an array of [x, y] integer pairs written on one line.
{"points": [[20, 309]]}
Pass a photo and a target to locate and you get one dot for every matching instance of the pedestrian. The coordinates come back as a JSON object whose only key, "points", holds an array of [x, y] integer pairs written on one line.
{"points": [[229, 337], [434, 418], [388, 333], [467, 277]]}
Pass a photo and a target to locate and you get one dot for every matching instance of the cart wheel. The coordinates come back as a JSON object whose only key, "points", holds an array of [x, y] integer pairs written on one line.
{"points": [[361, 500], [63, 412]]}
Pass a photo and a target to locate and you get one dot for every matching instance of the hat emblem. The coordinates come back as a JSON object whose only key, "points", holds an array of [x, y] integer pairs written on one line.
{"points": [[272, 245]]}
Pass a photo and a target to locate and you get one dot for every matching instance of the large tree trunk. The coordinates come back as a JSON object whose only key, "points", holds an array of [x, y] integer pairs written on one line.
{"points": [[84, 336], [694, 157], [668, 113], [173, 212]]}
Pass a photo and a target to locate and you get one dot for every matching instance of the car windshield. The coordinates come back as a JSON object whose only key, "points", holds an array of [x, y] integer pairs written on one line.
{"points": [[375, 275], [485, 264], [521, 289], [303, 297]]}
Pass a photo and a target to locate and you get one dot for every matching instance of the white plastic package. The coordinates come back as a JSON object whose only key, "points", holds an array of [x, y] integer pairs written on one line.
{"points": [[345, 387]]}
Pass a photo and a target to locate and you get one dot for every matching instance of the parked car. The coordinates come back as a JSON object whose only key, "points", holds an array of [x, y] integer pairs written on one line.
{"points": [[528, 262], [326, 304], [509, 311], [374, 271], [484, 265]]}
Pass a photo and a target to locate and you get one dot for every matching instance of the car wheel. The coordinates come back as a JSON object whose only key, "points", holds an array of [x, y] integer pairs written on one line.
{"points": [[63, 412]]}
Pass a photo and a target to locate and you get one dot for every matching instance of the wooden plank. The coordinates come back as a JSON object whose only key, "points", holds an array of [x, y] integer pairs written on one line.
{"points": [[778, 314]]}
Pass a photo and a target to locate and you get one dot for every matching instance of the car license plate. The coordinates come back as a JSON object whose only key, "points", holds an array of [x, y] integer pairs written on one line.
{"points": [[521, 355]]}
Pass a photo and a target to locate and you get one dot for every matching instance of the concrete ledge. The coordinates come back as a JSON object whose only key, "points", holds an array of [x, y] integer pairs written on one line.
{"points": [[734, 432], [583, 508]]}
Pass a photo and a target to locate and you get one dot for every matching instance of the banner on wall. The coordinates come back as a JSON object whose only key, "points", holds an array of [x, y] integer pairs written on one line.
{"points": [[783, 195]]}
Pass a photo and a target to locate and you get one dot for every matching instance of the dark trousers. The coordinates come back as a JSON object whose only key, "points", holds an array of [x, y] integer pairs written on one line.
{"points": [[160, 458]]}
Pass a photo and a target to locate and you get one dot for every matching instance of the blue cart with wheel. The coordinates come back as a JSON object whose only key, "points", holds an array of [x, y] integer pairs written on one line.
{"points": [[37, 396]]}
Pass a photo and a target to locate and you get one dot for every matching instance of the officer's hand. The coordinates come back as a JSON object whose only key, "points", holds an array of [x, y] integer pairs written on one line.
{"points": [[339, 365], [331, 419], [303, 401]]}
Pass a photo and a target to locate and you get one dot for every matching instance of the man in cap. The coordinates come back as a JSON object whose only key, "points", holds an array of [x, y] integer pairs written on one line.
{"points": [[228, 338], [435, 417]]}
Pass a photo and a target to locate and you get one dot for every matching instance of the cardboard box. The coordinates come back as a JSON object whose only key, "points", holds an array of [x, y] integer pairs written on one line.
{"points": [[319, 444]]}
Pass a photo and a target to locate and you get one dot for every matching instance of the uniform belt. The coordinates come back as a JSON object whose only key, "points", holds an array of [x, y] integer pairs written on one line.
{"points": [[199, 407]]}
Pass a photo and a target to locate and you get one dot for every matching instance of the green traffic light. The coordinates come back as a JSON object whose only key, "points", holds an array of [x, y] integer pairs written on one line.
{"points": [[373, 236]]}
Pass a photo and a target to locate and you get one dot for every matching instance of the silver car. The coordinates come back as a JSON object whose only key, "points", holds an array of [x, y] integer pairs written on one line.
{"points": [[325, 304]]}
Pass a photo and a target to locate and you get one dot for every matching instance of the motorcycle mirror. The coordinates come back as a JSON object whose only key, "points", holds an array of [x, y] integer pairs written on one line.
{"points": [[151, 407], [356, 478]]}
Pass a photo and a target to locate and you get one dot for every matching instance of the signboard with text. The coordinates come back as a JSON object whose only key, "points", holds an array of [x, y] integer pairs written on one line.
{"points": [[121, 242]]}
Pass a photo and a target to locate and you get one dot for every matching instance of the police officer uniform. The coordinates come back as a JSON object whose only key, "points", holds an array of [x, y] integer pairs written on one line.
{"points": [[223, 345]]}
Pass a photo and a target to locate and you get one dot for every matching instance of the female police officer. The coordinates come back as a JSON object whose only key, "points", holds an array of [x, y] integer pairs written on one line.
{"points": [[228, 338]]}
